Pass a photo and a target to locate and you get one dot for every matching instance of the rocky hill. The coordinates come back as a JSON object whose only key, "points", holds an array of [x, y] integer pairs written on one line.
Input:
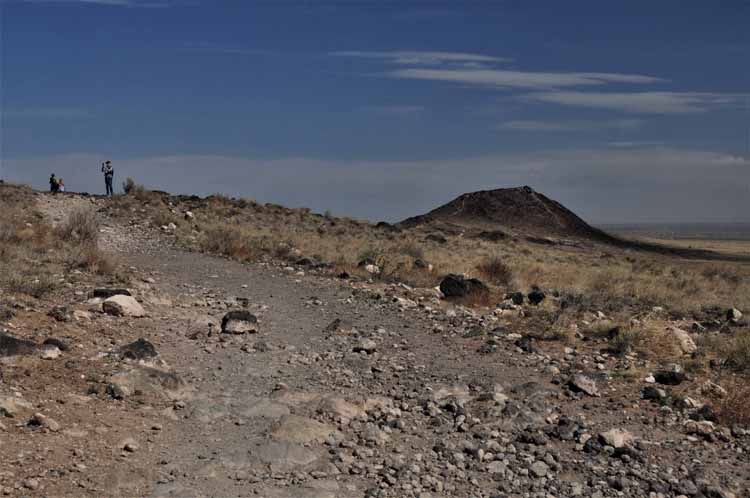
{"points": [[520, 210]]}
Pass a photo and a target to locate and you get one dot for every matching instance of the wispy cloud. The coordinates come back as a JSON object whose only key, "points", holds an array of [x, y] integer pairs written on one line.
{"points": [[393, 110], [519, 79], [47, 113], [570, 126], [642, 102], [417, 58]]}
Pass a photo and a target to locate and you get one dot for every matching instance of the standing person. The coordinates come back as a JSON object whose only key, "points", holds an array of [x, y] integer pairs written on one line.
{"points": [[61, 185], [53, 185], [109, 174]]}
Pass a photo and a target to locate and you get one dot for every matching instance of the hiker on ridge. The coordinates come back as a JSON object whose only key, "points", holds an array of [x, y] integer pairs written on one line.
{"points": [[54, 187], [109, 173]]}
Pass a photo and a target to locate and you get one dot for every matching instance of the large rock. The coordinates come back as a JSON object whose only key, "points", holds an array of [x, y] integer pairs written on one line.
{"points": [[616, 438], [107, 293], [584, 384], [683, 340], [672, 375], [13, 346], [734, 315], [123, 306], [137, 350], [341, 409], [457, 286], [11, 406], [239, 322]]}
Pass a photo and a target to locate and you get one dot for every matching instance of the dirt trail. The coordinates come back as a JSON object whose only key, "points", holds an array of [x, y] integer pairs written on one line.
{"points": [[393, 400]]}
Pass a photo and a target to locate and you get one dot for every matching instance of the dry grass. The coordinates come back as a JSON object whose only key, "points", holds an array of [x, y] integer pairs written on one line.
{"points": [[612, 281], [734, 408], [37, 255], [496, 271]]}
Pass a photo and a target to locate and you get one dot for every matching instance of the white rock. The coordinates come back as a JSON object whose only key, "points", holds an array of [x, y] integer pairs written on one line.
{"points": [[683, 340], [123, 306]]}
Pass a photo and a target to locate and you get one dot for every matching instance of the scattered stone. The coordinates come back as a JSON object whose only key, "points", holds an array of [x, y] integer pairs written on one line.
{"points": [[129, 445], [61, 314], [11, 406], [584, 384], [653, 393], [59, 344], [457, 286], [683, 340], [42, 421], [672, 375], [49, 352], [107, 293], [13, 346], [121, 305], [734, 315], [539, 469], [536, 296], [365, 346], [616, 438], [137, 350], [239, 322]]}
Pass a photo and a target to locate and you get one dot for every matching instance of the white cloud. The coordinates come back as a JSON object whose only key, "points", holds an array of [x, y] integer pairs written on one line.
{"points": [[417, 58], [641, 102], [519, 79], [572, 126], [604, 185]]}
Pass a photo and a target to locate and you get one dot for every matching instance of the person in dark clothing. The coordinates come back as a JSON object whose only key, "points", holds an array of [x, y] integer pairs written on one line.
{"points": [[54, 186], [109, 174]]}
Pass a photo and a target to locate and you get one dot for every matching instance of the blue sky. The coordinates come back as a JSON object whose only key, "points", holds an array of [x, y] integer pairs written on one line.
{"points": [[624, 111]]}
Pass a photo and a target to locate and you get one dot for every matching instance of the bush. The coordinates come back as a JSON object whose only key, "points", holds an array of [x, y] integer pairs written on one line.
{"points": [[81, 227], [130, 187], [496, 271], [737, 352]]}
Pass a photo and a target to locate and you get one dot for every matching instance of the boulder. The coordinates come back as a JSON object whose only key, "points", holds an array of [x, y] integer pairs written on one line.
{"points": [[653, 393], [13, 346], [341, 409], [107, 293], [683, 340], [582, 383], [239, 322], [672, 375], [536, 296], [616, 438], [457, 286], [61, 314], [365, 346], [120, 305], [43, 422], [301, 430], [11, 406], [137, 350], [734, 315]]}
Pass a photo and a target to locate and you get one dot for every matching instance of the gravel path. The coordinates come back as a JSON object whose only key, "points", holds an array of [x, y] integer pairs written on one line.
{"points": [[351, 391]]}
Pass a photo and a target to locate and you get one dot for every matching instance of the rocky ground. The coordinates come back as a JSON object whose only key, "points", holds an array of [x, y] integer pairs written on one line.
{"points": [[275, 381]]}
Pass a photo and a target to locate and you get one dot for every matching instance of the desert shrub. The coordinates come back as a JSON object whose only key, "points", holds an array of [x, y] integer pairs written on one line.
{"points": [[411, 249], [130, 187], [374, 254], [736, 352], [496, 271], [734, 408], [89, 257], [37, 287], [600, 329], [624, 342], [81, 227], [233, 242]]}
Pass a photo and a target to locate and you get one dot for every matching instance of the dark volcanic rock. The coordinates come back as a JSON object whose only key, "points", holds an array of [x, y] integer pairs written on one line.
{"points": [[138, 350], [62, 346], [435, 237], [13, 346], [673, 375], [239, 322], [536, 296], [458, 286], [107, 293], [516, 297], [61, 314], [492, 235]]}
